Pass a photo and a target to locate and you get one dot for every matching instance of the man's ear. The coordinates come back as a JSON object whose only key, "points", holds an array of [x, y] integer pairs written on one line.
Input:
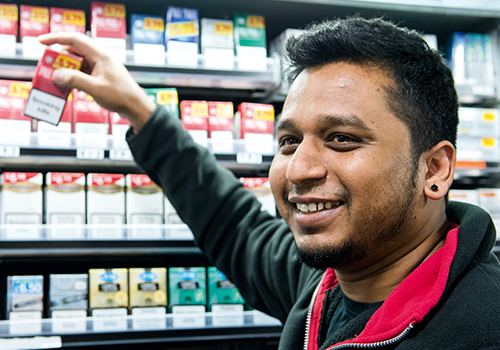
{"points": [[440, 169]]}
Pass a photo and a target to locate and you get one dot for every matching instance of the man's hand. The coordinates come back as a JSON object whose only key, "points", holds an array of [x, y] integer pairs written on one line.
{"points": [[106, 80]]}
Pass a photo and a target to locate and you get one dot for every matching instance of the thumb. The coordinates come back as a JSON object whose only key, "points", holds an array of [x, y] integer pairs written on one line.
{"points": [[72, 78]]}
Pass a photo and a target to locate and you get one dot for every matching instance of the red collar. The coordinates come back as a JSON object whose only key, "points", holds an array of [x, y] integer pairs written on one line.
{"points": [[406, 306]]}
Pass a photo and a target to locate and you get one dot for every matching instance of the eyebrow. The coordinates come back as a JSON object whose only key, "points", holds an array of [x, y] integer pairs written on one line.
{"points": [[349, 120]]}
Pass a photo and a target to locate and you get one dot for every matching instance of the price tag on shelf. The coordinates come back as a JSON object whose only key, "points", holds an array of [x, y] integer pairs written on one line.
{"points": [[52, 342], [120, 154], [248, 158], [90, 153], [10, 151]]}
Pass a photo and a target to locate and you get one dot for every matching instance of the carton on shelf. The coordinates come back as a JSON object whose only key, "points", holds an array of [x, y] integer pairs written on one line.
{"points": [[69, 302], [47, 100], [260, 187], [90, 121], [105, 199], [217, 43], [182, 36], [147, 34], [9, 18], [194, 115], [220, 126], [34, 21], [25, 298], [250, 42], [108, 288], [65, 198], [108, 27], [148, 287], [171, 216], [21, 198], [64, 20], [15, 127], [224, 299], [144, 200], [166, 97], [255, 124]]}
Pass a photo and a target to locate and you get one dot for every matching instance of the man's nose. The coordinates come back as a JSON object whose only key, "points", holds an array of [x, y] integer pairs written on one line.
{"points": [[307, 164]]}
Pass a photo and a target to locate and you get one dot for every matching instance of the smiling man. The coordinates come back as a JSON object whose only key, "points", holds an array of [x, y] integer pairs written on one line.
{"points": [[366, 156]]}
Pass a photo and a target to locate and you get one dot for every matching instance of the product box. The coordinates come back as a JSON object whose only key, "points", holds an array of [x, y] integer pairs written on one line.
{"points": [[147, 35], [187, 295], [217, 43], [24, 294], [194, 115], [182, 36], [46, 101], [479, 122], [260, 187], [106, 204], [57, 135], [64, 20], [148, 287], [466, 196], [225, 301], [34, 21], [15, 127], [477, 149], [250, 42], [65, 204], [278, 46], [220, 126], [144, 200], [90, 121], [108, 288], [21, 198], [167, 97], [69, 302], [9, 19], [108, 28], [171, 216], [105, 198], [255, 123]]}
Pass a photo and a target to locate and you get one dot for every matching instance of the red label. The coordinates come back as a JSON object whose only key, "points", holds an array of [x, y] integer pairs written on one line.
{"points": [[13, 178], [105, 179], [251, 182], [67, 20], [256, 118], [220, 116], [50, 61], [108, 20], [64, 178], [140, 180], [86, 110], [13, 96], [194, 115], [34, 20], [8, 19]]}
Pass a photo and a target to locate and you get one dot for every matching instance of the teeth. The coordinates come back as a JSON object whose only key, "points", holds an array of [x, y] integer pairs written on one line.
{"points": [[313, 207]]}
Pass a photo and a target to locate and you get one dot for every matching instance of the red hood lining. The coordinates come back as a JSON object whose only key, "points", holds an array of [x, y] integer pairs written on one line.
{"points": [[407, 304]]}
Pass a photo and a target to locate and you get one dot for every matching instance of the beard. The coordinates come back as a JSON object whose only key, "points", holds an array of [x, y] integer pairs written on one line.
{"points": [[379, 226]]}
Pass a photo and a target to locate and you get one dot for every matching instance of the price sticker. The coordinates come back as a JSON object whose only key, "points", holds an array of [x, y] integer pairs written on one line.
{"points": [[120, 154], [90, 153], [248, 158], [10, 151]]}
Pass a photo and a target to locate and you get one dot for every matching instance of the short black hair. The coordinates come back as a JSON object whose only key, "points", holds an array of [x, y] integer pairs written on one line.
{"points": [[423, 96]]}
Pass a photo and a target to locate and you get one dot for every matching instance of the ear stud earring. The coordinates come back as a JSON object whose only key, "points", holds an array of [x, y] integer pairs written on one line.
{"points": [[434, 187]]}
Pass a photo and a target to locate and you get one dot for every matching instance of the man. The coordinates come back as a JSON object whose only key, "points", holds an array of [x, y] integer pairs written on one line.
{"points": [[365, 159]]}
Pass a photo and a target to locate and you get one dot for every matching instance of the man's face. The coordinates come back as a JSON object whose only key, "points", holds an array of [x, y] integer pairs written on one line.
{"points": [[343, 176]]}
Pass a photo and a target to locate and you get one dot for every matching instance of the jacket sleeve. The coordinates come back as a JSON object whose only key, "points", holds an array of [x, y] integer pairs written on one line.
{"points": [[255, 250]]}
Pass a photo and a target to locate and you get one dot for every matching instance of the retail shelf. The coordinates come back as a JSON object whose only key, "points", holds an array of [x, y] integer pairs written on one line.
{"points": [[448, 7], [108, 153], [134, 329], [257, 83]]}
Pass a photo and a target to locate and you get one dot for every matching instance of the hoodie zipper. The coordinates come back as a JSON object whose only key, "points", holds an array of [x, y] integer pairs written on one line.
{"points": [[309, 313], [378, 344]]}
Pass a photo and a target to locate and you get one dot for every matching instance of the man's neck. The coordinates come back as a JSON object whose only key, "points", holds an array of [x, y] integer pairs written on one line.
{"points": [[375, 282]]}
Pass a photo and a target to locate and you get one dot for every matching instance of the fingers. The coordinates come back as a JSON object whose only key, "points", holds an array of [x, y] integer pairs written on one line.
{"points": [[75, 79], [78, 43]]}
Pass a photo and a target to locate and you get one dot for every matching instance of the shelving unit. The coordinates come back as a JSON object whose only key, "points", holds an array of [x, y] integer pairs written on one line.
{"points": [[46, 254]]}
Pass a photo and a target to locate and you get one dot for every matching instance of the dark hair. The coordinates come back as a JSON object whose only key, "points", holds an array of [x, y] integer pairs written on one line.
{"points": [[423, 96]]}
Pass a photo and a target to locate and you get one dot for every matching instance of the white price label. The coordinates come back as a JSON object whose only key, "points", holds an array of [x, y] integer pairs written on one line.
{"points": [[90, 153], [248, 158], [120, 154], [10, 151]]}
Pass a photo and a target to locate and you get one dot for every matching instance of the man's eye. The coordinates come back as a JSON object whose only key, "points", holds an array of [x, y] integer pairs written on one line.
{"points": [[343, 138], [287, 141]]}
